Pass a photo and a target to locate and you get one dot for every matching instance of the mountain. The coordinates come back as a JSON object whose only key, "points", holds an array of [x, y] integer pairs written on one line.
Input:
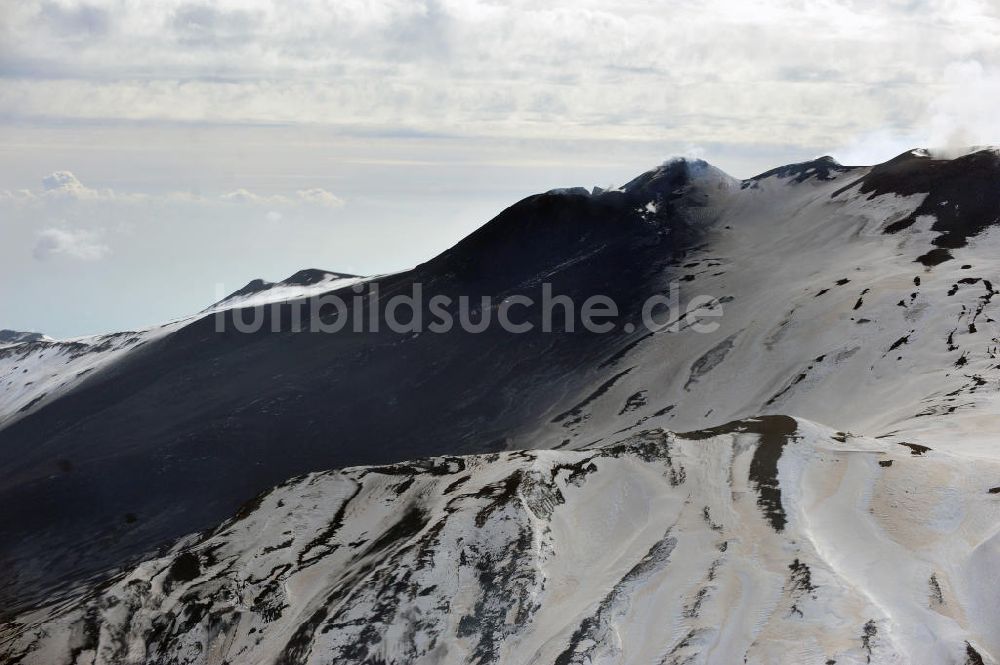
{"points": [[661, 548], [303, 283], [17, 337], [805, 465], [36, 369], [195, 421]]}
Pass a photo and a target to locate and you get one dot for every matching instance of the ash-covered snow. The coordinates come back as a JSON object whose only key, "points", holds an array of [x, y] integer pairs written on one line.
{"points": [[18, 337], [39, 371], [303, 284], [769, 540], [825, 316]]}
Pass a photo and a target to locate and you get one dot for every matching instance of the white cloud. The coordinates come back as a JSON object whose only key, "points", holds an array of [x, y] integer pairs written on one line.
{"points": [[242, 195], [312, 196], [77, 244], [17, 195], [320, 197], [60, 180], [65, 187]]}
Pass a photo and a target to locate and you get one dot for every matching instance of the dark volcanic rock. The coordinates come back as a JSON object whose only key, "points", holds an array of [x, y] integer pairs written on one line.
{"points": [[963, 195], [823, 168]]}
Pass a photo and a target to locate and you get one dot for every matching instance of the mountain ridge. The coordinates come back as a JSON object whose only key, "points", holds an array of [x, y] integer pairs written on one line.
{"points": [[361, 564], [18, 337]]}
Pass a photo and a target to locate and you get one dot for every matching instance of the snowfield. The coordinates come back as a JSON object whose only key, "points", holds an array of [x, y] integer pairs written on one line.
{"points": [[768, 540], [32, 373]]}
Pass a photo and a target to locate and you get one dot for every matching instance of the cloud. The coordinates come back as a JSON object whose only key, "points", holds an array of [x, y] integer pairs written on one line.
{"points": [[76, 244], [672, 72], [60, 180], [204, 25], [320, 197], [65, 187], [16, 195], [65, 184], [316, 196], [961, 115], [242, 195], [81, 21]]}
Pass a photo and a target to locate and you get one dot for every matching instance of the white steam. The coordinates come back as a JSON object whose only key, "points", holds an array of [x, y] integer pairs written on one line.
{"points": [[961, 117]]}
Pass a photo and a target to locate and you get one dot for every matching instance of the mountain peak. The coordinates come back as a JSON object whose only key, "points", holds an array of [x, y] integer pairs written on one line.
{"points": [[950, 152], [289, 287], [821, 169], [311, 276], [674, 172], [679, 177]]}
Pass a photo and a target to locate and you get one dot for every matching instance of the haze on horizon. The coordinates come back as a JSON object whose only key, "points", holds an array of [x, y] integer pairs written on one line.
{"points": [[152, 153]]}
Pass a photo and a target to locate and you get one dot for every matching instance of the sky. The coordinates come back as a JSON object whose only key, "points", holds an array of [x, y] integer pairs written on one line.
{"points": [[154, 154]]}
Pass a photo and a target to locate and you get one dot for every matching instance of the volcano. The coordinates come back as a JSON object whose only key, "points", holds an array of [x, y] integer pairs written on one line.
{"points": [[808, 475]]}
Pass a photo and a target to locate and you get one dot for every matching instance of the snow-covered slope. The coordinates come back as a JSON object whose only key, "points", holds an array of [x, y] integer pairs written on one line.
{"points": [[764, 541], [35, 369], [827, 313], [303, 284], [18, 336], [33, 372]]}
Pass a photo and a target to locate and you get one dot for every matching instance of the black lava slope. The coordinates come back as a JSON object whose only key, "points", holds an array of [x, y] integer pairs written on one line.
{"points": [[175, 436]]}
